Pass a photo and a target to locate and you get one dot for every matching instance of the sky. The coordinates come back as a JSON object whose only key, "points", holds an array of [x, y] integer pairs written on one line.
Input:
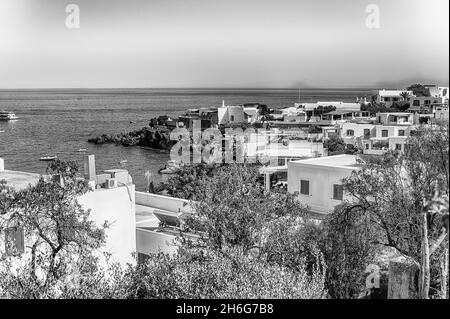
{"points": [[223, 43]]}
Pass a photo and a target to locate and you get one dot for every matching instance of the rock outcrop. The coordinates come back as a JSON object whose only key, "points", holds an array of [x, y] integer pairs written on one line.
{"points": [[158, 138]]}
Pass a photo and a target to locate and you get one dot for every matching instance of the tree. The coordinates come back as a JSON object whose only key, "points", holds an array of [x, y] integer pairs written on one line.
{"points": [[58, 232], [401, 106], [186, 180], [241, 229], [374, 108], [233, 208], [335, 145], [419, 90], [347, 247], [396, 192], [200, 273], [405, 95], [324, 109]]}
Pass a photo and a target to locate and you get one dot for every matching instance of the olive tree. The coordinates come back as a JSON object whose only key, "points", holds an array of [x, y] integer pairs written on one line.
{"points": [[59, 236], [405, 199]]}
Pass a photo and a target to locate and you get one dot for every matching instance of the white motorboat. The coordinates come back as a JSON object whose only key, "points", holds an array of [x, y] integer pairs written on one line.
{"points": [[7, 116], [48, 158]]}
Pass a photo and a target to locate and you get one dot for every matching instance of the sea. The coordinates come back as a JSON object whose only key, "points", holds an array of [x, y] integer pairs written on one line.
{"points": [[58, 122]]}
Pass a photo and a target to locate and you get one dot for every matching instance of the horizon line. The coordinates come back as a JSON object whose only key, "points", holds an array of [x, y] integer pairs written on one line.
{"points": [[210, 88]]}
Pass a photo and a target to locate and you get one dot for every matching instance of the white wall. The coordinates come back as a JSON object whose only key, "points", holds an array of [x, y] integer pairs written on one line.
{"points": [[151, 241], [357, 128], [163, 202], [222, 115], [154, 239], [114, 206], [237, 112], [117, 207], [441, 115], [321, 180]]}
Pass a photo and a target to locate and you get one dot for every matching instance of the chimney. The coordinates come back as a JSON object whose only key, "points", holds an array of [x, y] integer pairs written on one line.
{"points": [[89, 167], [2, 165]]}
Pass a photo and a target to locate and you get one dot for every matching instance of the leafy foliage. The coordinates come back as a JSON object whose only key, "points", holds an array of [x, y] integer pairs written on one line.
{"points": [[234, 209], [392, 193], [186, 181], [205, 273], [419, 90], [57, 229], [324, 109]]}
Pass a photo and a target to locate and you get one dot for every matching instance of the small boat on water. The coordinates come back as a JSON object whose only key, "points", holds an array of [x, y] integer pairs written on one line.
{"points": [[81, 150], [2, 131], [123, 162], [171, 168], [7, 116], [48, 158]]}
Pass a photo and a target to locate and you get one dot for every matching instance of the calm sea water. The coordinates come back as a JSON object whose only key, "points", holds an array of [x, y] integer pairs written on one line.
{"points": [[59, 122]]}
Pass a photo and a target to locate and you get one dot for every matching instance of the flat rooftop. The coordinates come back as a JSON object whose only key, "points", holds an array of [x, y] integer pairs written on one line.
{"points": [[336, 161], [19, 180]]}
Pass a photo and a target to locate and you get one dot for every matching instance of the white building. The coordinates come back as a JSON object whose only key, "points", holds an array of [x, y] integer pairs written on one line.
{"points": [[277, 147], [397, 118], [318, 181], [427, 103], [444, 91], [339, 105], [231, 114], [350, 131], [378, 138], [159, 220], [111, 200], [441, 114], [388, 97]]}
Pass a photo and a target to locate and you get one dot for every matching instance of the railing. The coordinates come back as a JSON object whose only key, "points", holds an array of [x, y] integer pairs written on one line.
{"points": [[152, 241], [167, 203]]}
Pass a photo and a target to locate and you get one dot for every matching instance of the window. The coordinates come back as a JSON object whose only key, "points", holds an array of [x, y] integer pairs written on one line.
{"points": [[304, 187], [14, 241], [366, 133], [427, 102], [384, 133], [338, 192], [367, 146], [142, 258], [401, 132], [350, 133], [416, 103], [232, 118], [387, 99], [398, 147]]}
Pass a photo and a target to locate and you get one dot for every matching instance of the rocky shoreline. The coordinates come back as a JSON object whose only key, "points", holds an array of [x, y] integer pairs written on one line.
{"points": [[157, 137]]}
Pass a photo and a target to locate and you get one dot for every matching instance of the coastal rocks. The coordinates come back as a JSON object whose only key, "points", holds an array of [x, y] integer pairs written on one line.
{"points": [[158, 138]]}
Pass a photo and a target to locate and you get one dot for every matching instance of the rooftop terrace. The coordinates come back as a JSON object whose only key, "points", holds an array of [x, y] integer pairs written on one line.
{"points": [[337, 161]]}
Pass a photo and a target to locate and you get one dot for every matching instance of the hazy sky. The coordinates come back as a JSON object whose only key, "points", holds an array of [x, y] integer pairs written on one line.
{"points": [[223, 43]]}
